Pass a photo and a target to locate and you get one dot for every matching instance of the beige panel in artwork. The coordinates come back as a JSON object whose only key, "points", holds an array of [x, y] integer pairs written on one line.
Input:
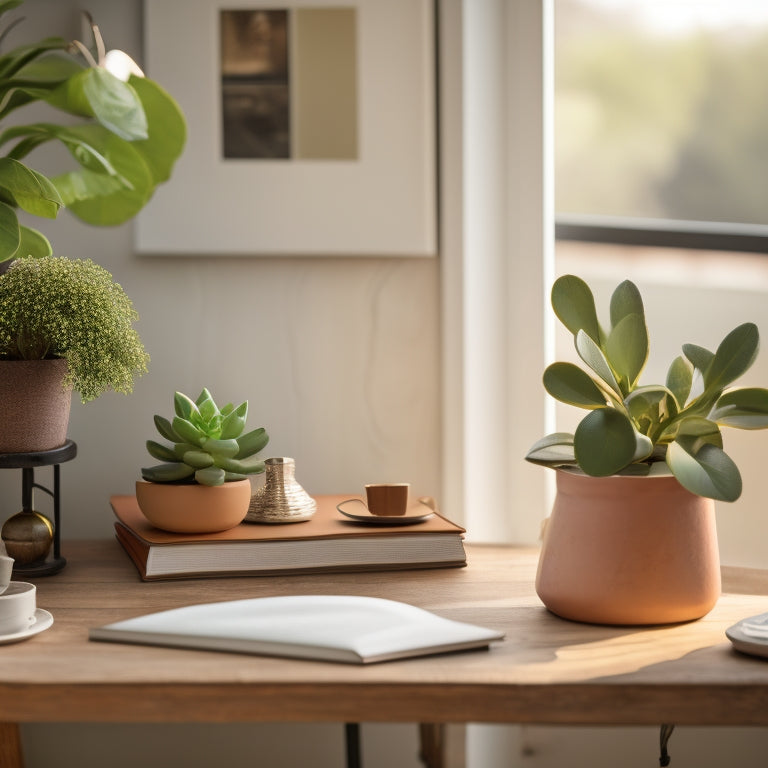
{"points": [[324, 79]]}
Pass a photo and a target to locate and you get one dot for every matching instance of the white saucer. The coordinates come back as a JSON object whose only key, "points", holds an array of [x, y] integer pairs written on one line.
{"points": [[42, 621], [356, 509]]}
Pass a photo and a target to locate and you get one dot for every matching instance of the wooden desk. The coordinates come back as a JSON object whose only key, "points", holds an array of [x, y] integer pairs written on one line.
{"points": [[548, 671]]}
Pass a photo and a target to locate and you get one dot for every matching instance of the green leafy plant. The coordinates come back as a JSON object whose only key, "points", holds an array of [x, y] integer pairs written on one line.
{"points": [[634, 429], [208, 444], [71, 308], [126, 143]]}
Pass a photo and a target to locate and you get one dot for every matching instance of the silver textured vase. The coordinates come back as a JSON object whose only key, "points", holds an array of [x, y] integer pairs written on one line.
{"points": [[281, 499]]}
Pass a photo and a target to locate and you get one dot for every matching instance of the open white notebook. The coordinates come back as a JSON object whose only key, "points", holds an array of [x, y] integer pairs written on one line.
{"points": [[356, 630]]}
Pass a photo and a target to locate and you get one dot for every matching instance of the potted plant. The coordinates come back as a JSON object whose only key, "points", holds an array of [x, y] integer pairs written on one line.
{"points": [[202, 484], [128, 138], [64, 324], [124, 133], [632, 537]]}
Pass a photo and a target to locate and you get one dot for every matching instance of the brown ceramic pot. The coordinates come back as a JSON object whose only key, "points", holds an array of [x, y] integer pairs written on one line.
{"points": [[34, 405], [629, 550], [194, 508]]}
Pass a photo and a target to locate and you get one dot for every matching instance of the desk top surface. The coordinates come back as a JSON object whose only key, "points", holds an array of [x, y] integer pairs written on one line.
{"points": [[546, 671]]}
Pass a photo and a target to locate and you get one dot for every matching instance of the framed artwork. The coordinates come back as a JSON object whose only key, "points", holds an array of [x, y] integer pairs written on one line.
{"points": [[311, 128]]}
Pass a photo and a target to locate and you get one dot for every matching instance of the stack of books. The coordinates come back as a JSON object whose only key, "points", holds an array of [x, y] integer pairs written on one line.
{"points": [[327, 542]]}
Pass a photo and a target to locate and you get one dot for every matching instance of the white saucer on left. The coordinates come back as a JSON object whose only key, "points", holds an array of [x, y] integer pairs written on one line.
{"points": [[42, 621]]}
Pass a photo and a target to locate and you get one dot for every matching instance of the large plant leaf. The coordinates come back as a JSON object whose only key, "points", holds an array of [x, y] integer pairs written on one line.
{"points": [[32, 243], [553, 450], [593, 356], [10, 235], [31, 66], [78, 141], [28, 189], [121, 202], [744, 408], [95, 92], [704, 469], [627, 348], [736, 353], [574, 304], [680, 380], [166, 126], [626, 300], [605, 442], [570, 384]]}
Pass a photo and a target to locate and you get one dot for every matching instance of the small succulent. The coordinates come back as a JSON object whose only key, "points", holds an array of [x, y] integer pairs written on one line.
{"points": [[640, 430], [209, 446]]}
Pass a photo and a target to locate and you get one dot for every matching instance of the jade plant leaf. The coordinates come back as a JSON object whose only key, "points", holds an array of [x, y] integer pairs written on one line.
{"points": [[570, 384], [605, 442], [552, 450], [736, 353], [593, 356], [704, 469], [650, 407], [574, 304], [680, 380], [701, 430], [744, 408], [627, 349], [700, 357], [625, 301]]}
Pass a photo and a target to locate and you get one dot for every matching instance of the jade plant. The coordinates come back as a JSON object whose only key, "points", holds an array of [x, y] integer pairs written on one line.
{"points": [[52, 307], [208, 444], [648, 429], [128, 135]]}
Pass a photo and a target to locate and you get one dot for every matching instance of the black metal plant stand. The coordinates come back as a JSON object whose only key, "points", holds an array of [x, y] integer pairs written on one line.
{"points": [[27, 462]]}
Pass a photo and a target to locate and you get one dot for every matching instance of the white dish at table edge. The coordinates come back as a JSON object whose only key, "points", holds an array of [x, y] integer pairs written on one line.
{"points": [[43, 620]]}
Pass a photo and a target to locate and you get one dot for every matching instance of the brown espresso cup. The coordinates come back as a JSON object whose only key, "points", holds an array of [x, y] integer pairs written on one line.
{"points": [[387, 499]]}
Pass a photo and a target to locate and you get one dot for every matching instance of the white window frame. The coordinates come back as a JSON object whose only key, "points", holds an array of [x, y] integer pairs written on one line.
{"points": [[497, 261]]}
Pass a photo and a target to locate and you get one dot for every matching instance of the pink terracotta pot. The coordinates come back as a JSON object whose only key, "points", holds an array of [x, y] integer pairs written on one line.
{"points": [[629, 550], [194, 508], [34, 405]]}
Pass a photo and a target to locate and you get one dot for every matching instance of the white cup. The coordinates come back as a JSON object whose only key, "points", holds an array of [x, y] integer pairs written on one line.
{"points": [[17, 607], [6, 568]]}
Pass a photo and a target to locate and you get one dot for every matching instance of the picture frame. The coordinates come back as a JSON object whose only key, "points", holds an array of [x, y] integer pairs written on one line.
{"points": [[378, 199]]}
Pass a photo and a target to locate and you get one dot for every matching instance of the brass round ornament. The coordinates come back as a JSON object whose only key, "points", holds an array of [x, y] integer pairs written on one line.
{"points": [[28, 536]]}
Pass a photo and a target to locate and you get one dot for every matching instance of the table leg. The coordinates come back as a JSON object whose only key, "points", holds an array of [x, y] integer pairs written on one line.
{"points": [[352, 744], [10, 746], [431, 742]]}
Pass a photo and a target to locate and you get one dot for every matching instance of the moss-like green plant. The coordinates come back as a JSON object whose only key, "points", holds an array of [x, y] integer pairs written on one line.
{"points": [[71, 308], [208, 447], [129, 135], [639, 430]]}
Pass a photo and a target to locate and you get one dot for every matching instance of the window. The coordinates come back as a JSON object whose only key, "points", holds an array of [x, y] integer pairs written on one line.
{"points": [[661, 122]]}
